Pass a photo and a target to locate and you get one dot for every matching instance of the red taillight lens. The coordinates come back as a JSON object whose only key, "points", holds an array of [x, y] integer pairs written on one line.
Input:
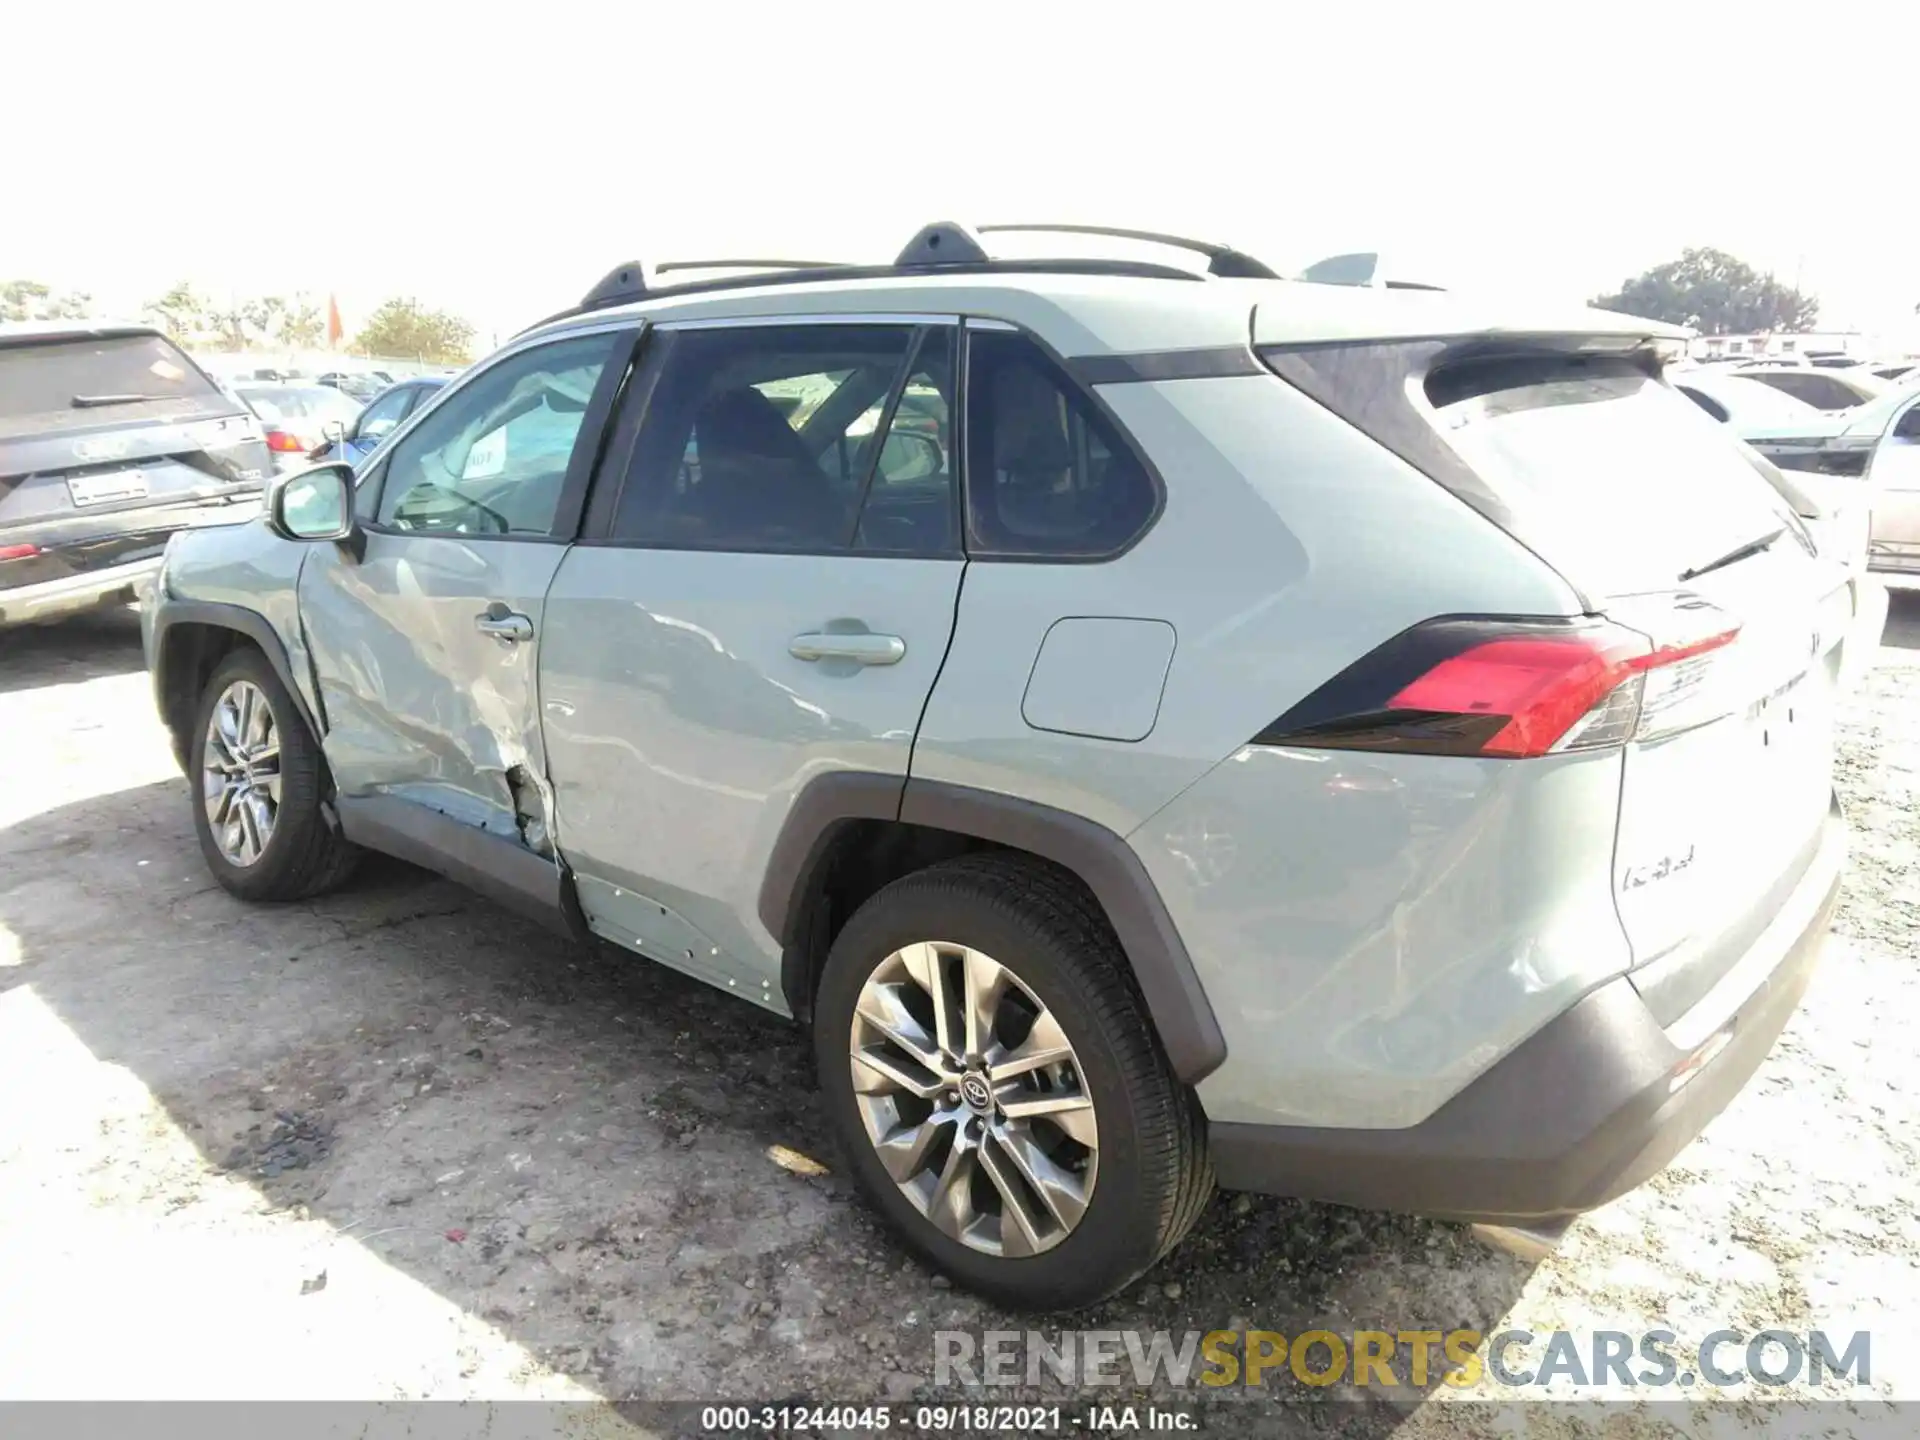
{"points": [[18, 552], [286, 444], [1541, 687], [1511, 688]]}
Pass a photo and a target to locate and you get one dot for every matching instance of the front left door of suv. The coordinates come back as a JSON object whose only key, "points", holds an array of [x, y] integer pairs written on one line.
{"points": [[424, 647]]}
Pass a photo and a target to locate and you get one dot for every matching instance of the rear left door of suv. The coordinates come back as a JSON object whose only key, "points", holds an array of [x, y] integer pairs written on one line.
{"points": [[763, 594]]}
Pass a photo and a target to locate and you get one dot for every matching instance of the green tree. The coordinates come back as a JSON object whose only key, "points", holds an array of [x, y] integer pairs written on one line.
{"points": [[404, 328], [1714, 293], [183, 314], [300, 326], [30, 300]]}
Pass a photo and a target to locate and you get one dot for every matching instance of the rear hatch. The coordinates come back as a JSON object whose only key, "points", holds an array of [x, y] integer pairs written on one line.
{"points": [[1714, 622], [109, 440]]}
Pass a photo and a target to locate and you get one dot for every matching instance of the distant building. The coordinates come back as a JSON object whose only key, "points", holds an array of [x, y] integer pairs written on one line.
{"points": [[1779, 345]]}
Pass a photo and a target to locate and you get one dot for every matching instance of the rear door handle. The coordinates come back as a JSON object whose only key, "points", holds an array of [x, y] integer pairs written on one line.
{"points": [[862, 649], [509, 627]]}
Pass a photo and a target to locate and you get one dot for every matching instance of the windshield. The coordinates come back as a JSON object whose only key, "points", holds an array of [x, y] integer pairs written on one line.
{"points": [[1620, 481], [1875, 415]]}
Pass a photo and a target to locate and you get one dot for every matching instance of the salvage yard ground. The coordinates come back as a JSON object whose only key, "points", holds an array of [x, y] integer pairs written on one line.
{"points": [[397, 1143]]}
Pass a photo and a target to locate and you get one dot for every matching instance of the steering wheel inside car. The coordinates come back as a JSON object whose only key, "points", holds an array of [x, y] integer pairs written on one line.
{"points": [[495, 522]]}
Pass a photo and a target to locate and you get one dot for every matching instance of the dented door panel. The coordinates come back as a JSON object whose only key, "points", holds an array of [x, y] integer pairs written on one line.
{"points": [[421, 704]]}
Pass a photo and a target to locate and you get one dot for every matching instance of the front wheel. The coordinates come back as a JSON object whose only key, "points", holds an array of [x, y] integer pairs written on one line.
{"points": [[259, 785], [997, 1088]]}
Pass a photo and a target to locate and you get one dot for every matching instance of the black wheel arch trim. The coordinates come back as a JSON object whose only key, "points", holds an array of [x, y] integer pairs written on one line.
{"points": [[1176, 1001], [169, 612]]}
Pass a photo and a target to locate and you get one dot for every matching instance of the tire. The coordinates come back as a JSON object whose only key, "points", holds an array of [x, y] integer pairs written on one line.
{"points": [[302, 854], [1148, 1175]]}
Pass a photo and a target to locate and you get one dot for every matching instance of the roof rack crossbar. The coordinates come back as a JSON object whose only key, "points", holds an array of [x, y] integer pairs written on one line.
{"points": [[1222, 260], [747, 265]]}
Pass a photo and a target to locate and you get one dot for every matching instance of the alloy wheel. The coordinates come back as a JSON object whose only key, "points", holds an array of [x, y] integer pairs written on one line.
{"points": [[240, 773], [974, 1099]]}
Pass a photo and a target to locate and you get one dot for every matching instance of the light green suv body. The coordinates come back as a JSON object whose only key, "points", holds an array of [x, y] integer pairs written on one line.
{"points": [[1373, 746]]}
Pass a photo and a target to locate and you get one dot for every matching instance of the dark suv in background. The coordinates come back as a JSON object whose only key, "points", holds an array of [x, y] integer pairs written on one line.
{"points": [[111, 439]]}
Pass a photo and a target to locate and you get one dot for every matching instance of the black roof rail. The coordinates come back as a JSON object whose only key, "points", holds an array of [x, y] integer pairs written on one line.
{"points": [[944, 245], [1222, 260], [747, 265]]}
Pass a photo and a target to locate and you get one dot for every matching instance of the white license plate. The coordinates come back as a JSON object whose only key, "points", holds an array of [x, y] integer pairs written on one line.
{"points": [[102, 489]]}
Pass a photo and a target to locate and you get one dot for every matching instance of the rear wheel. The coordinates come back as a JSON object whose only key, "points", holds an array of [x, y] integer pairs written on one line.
{"points": [[259, 784], [997, 1088]]}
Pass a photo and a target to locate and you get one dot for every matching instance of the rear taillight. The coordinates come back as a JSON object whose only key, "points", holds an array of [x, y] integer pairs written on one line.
{"points": [[1519, 688], [286, 444], [18, 552]]}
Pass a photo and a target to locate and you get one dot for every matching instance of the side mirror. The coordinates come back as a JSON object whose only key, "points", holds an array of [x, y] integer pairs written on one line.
{"points": [[314, 504]]}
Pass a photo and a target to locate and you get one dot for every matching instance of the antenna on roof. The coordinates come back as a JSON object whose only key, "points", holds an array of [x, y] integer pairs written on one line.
{"points": [[619, 286], [672, 265], [1222, 260], [944, 242], [1362, 267]]}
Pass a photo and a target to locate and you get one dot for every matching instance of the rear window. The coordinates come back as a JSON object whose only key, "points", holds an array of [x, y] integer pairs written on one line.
{"points": [[1606, 472], [1750, 400], [1823, 392], [1617, 480], [90, 380]]}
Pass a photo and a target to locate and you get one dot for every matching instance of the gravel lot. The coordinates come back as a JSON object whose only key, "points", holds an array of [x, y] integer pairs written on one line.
{"points": [[397, 1143]]}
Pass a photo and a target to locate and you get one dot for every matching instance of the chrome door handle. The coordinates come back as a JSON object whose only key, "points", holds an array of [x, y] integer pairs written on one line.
{"points": [[504, 625], [862, 649]]}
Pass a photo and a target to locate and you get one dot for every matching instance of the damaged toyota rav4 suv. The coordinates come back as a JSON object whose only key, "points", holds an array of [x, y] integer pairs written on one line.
{"points": [[1152, 726]]}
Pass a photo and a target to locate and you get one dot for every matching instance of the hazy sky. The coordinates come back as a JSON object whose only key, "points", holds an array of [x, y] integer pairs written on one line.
{"points": [[497, 158]]}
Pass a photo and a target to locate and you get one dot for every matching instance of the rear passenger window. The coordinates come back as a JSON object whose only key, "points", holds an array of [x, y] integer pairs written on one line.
{"points": [[779, 438], [1047, 473]]}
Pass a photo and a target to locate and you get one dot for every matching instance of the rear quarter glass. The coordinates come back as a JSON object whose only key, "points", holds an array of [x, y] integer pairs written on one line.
{"points": [[1591, 461], [74, 382]]}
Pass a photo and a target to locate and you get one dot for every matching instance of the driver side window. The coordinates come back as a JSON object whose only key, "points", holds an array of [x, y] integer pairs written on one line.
{"points": [[492, 459]]}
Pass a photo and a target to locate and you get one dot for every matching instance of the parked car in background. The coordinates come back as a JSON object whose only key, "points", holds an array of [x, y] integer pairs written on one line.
{"points": [[361, 387], [1824, 389], [296, 417], [385, 411], [1894, 474], [111, 440], [1820, 463], [1361, 744]]}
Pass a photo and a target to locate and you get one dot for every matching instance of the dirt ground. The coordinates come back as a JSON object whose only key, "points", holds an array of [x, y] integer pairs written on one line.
{"points": [[397, 1143]]}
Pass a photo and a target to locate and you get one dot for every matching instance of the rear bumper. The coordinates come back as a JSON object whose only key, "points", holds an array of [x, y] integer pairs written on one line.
{"points": [[1592, 1105], [75, 594], [85, 560]]}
